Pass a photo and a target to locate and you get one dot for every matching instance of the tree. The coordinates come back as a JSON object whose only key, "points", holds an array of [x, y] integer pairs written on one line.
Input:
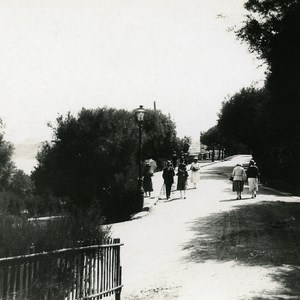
{"points": [[160, 136], [6, 165], [185, 144], [266, 22], [242, 117], [21, 184], [93, 158], [272, 30], [213, 139], [88, 157]]}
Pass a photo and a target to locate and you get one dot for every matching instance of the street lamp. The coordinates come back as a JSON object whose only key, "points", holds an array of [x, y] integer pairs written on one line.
{"points": [[140, 112]]}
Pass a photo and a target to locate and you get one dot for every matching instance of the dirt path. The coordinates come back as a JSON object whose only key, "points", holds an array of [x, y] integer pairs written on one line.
{"points": [[210, 246]]}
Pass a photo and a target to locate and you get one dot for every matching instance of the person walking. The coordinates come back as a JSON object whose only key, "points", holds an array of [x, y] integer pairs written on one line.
{"points": [[174, 159], [253, 175], [147, 180], [182, 179], [183, 157], [239, 175], [195, 172], [168, 176]]}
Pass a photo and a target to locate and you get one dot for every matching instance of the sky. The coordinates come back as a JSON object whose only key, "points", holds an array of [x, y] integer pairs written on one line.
{"points": [[61, 55]]}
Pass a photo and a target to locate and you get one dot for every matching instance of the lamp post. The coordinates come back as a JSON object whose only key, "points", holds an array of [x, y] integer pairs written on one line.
{"points": [[140, 112]]}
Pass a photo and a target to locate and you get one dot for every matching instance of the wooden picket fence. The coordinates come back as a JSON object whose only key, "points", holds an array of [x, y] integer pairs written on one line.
{"points": [[89, 272]]}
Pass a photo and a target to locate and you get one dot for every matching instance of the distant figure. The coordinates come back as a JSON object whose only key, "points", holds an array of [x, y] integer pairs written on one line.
{"points": [[174, 159], [239, 175], [195, 172], [182, 179], [168, 176], [183, 157], [252, 175], [147, 180]]}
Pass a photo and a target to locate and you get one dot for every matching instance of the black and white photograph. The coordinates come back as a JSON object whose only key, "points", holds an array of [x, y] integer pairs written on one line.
{"points": [[149, 149]]}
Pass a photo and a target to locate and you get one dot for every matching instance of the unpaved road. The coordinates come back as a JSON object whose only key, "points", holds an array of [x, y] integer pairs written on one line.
{"points": [[211, 246]]}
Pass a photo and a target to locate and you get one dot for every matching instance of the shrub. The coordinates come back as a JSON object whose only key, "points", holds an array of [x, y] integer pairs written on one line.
{"points": [[18, 234]]}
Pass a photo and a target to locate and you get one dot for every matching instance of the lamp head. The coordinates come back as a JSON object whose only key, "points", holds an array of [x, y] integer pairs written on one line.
{"points": [[140, 112]]}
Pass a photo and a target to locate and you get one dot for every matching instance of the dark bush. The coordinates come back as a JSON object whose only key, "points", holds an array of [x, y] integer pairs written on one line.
{"points": [[18, 234]]}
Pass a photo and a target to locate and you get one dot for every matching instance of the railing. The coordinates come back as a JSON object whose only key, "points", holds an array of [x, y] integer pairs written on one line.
{"points": [[90, 272]]}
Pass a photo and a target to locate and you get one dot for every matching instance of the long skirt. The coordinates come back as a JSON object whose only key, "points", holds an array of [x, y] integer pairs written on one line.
{"points": [[237, 185], [195, 176], [181, 183], [253, 184], [147, 184]]}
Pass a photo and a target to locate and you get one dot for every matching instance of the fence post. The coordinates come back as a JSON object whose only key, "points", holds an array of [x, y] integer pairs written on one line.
{"points": [[118, 295], [32, 248], [118, 270]]}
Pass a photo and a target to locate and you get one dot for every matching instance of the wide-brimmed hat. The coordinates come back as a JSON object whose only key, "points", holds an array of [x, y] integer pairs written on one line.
{"points": [[196, 158]]}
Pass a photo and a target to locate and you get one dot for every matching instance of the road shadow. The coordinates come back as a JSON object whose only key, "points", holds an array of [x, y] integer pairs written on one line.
{"points": [[212, 175], [218, 172], [259, 234]]}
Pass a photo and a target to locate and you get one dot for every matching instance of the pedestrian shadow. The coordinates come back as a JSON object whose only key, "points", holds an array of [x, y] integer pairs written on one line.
{"points": [[172, 199], [257, 234], [190, 188], [235, 200]]}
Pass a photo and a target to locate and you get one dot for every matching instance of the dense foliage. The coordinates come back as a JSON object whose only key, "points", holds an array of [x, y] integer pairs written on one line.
{"points": [[15, 186], [266, 121], [18, 200], [241, 119], [272, 30], [6, 165], [160, 137], [18, 234], [93, 158], [213, 139]]}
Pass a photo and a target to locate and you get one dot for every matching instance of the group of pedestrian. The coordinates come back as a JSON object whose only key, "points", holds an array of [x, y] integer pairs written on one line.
{"points": [[239, 176], [181, 158], [181, 173]]}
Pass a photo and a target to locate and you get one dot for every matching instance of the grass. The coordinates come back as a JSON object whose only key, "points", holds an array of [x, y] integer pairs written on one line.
{"points": [[19, 236]]}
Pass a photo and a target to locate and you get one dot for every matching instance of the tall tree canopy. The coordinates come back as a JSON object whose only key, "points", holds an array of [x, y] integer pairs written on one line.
{"points": [[272, 30], [269, 21], [241, 118], [159, 135], [211, 137]]}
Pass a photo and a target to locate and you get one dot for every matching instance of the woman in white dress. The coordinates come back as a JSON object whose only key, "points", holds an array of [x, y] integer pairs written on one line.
{"points": [[239, 175], [195, 172]]}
